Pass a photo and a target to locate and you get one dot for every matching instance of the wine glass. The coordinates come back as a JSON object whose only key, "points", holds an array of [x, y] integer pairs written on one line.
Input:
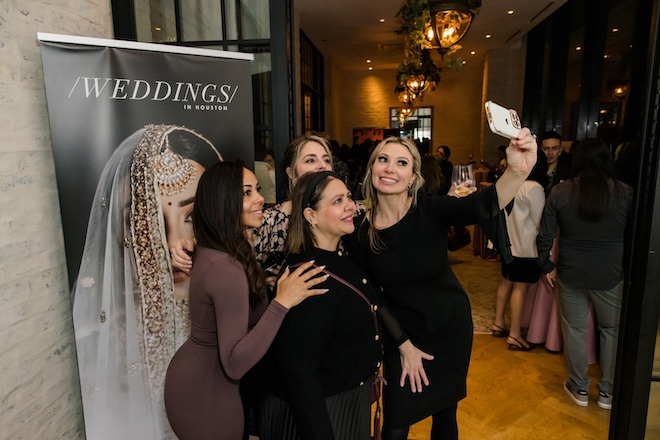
{"points": [[463, 177]]}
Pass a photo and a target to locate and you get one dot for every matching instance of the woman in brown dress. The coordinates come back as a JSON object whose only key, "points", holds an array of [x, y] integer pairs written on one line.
{"points": [[232, 324]]}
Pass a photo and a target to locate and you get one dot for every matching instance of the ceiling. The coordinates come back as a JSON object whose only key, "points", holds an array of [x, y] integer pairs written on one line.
{"points": [[348, 32]]}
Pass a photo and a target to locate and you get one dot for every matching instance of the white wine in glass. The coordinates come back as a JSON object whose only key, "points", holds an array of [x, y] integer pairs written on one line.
{"points": [[463, 177]]}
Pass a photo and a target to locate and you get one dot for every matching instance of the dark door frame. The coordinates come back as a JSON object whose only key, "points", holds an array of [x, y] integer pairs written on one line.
{"points": [[641, 301]]}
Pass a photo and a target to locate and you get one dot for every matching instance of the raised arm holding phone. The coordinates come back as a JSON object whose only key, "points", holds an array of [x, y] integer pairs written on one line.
{"points": [[402, 241]]}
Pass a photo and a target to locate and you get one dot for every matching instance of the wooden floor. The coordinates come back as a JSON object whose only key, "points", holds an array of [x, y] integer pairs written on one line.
{"points": [[519, 395]]}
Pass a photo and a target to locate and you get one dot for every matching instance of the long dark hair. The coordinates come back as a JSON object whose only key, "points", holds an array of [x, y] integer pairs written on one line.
{"points": [[595, 184], [434, 180], [217, 223], [190, 145], [307, 193]]}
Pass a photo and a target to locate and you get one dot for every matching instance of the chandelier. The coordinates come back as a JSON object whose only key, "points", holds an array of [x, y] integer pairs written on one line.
{"points": [[403, 114], [450, 21], [404, 96], [415, 77], [427, 25]]}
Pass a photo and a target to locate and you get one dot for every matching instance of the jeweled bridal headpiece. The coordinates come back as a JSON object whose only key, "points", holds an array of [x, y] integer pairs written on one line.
{"points": [[173, 172]]}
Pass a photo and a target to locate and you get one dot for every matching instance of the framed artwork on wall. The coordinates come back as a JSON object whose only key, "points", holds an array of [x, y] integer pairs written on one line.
{"points": [[364, 134]]}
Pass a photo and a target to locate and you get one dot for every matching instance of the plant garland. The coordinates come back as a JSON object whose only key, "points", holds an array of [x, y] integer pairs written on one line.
{"points": [[415, 19]]}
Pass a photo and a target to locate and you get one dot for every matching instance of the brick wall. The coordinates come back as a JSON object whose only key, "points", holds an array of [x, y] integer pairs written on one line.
{"points": [[39, 390], [364, 99]]}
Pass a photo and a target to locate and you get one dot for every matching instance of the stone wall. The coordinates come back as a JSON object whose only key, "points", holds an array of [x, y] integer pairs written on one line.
{"points": [[39, 388]]}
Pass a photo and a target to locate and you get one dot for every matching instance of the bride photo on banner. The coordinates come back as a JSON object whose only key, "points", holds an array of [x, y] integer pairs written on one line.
{"points": [[130, 310]]}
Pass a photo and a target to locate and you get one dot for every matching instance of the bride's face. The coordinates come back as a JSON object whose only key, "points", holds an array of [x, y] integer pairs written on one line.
{"points": [[177, 211]]}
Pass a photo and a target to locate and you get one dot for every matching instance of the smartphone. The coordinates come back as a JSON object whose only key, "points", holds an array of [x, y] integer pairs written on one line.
{"points": [[274, 259], [502, 121]]}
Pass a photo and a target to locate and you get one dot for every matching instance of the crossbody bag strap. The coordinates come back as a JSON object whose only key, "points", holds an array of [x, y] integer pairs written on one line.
{"points": [[372, 307], [378, 379]]}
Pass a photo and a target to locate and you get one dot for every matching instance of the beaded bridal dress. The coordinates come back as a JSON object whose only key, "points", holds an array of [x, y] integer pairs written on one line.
{"points": [[130, 310]]}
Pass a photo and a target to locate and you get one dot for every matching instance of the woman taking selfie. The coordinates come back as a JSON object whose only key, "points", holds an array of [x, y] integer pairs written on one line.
{"points": [[402, 242], [232, 324]]}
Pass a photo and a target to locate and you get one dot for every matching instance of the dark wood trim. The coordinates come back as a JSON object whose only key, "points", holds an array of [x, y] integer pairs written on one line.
{"points": [[534, 67], [595, 31], [642, 40], [641, 300], [558, 64], [178, 28], [123, 19], [283, 69]]}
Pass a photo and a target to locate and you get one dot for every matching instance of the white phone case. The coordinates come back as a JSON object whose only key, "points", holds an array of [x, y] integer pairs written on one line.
{"points": [[502, 121]]}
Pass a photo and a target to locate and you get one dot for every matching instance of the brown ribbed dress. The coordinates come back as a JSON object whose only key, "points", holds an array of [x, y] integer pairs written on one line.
{"points": [[227, 338]]}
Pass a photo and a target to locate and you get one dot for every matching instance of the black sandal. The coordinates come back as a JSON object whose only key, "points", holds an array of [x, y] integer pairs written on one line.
{"points": [[518, 346], [499, 332]]}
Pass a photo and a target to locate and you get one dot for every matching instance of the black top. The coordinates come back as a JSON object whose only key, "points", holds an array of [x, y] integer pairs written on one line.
{"points": [[426, 298], [326, 345], [447, 168], [559, 173], [590, 253]]}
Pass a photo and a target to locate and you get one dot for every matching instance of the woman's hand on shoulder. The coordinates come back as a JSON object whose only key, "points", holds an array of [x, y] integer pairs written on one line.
{"points": [[180, 252], [412, 366], [521, 154], [295, 286]]}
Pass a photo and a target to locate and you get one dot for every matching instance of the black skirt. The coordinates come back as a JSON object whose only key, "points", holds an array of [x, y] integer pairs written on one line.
{"points": [[349, 411]]}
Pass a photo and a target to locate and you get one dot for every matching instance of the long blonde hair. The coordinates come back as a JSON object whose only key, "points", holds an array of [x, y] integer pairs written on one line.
{"points": [[370, 193]]}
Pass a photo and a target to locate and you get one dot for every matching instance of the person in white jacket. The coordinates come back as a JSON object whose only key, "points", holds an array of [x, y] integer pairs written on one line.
{"points": [[523, 217]]}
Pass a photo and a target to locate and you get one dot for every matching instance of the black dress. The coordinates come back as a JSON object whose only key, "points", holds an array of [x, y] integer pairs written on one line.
{"points": [[424, 295], [322, 362]]}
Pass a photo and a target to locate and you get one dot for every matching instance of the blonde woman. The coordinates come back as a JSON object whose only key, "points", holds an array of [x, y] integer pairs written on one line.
{"points": [[402, 241]]}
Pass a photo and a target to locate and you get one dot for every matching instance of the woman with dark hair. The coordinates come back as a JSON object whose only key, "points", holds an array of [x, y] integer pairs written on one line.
{"points": [[592, 208], [434, 180], [442, 154], [523, 217], [307, 153], [232, 323], [324, 358]]}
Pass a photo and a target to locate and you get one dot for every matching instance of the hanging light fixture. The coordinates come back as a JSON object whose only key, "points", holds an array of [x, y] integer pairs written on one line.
{"points": [[403, 114], [450, 20], [416, 85], [415, 77], [404, 96]]}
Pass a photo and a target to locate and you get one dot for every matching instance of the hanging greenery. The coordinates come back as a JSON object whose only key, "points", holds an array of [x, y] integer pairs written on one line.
{"points": [[423, 66], [414, 18], [415, 22]]}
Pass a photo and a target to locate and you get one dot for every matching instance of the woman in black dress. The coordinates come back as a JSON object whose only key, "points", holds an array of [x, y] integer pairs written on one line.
{"points": [[402, 242]]}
